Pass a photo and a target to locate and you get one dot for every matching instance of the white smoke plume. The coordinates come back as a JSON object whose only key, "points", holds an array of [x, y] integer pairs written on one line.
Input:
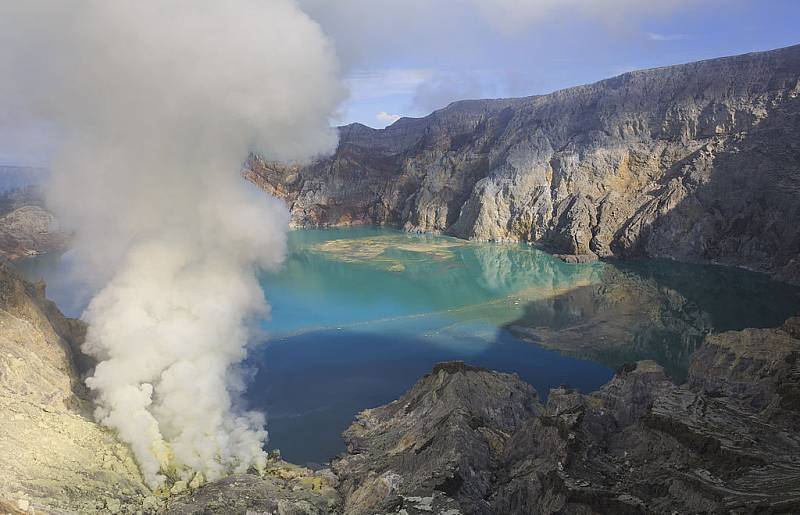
{"points": [[155, 105]]}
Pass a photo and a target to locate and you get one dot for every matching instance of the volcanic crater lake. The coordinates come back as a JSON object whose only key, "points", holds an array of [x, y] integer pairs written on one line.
{"points": [[360, 314]]}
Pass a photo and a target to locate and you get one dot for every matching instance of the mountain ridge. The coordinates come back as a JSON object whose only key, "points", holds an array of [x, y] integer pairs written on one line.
{"points": [[695, 162], [453, 104]]}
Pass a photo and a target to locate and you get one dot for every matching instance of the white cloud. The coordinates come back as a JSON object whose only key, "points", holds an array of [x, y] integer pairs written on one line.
{"points": [[433, 53], [514, 16], [443, 88], [654, 36], [382, 83], [387, 118]]}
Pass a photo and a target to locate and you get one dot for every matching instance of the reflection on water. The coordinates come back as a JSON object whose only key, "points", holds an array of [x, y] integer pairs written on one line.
{"points": [[359, 278], [654, 309], [358, 315], [619, 319]]}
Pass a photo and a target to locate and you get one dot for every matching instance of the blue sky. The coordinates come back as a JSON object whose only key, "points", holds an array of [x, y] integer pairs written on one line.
{"points": [[409, 61], [410, 57]]}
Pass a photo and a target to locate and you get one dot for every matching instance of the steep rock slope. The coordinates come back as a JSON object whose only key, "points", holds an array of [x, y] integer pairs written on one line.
{"points": [[698, 162], [53, 456], [55, 459], [441, 440], [472, 441]]}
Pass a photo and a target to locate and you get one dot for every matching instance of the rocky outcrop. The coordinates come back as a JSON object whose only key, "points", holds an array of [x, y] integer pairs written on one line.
{"points": [[53, 456], [697, 162], [282, 489], [27, 228], [468, 440], [441, 442]]}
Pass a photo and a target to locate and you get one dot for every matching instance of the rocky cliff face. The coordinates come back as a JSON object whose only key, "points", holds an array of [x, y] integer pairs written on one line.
{"points": [[697, 162], [472, 441], [53, 456]]}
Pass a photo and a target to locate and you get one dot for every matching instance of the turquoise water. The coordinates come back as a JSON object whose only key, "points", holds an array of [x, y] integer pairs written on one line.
{"points": [[358, 315], [378, 280]]}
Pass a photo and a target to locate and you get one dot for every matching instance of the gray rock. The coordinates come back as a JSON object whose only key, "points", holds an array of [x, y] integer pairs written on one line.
{"points": [[441, 440], [247, 493], [696, 162], [725, 441]]}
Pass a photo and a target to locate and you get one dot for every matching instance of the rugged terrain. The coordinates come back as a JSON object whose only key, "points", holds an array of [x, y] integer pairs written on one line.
{"points": [[53, 456], [466, 440], [27, 228], [699, 162], [463, 440], [55, 459], [696, 162]]}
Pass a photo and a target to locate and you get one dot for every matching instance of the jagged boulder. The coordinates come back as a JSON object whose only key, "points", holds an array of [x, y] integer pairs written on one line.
{"points": [[440, 441]]}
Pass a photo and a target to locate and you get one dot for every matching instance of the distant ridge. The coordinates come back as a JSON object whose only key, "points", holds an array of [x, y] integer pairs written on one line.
{"points": [[696, 162]]}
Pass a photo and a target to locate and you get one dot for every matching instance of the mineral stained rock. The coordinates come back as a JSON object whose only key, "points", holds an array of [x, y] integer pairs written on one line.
{"points": [[283, 489], [53, 456], [696, 162]]}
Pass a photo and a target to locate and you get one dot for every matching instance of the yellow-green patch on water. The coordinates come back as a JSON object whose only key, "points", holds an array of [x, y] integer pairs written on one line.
{"points": [[389, 252]]}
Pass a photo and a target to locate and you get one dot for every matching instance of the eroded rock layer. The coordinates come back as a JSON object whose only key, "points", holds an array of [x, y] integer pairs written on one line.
{"points": [[697, 162], [472, 441]]}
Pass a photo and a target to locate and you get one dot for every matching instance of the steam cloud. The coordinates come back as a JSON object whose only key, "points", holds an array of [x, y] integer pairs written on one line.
{"points": [[155, 105]]}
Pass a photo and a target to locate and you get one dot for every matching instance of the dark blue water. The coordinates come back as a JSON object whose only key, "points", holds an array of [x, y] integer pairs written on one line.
{"points": [[313, 384], [359, 315]]}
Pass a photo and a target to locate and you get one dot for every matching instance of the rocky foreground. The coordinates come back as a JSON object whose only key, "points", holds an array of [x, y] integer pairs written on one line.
{"points": [[53, 456], [463, 440], [468, 440], [697, 162]]}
